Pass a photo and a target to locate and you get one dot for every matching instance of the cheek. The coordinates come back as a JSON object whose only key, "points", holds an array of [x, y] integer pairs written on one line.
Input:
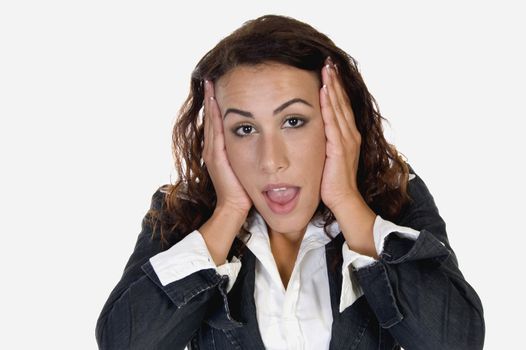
{"points": [[311, 151], [240, 159], [232, 150]]}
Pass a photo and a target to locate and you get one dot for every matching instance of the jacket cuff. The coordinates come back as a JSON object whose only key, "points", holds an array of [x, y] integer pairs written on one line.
{"points": [[381, 230], [374, 278], [182, 291], [399, 249], [182, 259], [187, 256], [351, 290], [200, 284]]}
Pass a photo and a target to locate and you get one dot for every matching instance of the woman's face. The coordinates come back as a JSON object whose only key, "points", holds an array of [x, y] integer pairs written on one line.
{"points": [[275, 145]]}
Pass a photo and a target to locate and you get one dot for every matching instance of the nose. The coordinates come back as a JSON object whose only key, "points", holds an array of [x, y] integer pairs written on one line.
{"points": [[273, 154]]}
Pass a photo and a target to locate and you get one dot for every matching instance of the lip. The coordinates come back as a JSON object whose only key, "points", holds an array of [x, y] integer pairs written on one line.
{"points": [[280, 185], [283, 208]]}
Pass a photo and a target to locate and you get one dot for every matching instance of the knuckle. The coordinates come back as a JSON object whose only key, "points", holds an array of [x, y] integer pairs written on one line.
{"points": [[337, 109], [358, 137]]}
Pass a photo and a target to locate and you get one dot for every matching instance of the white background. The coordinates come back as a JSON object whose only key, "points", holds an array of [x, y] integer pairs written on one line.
{"points": [[89, 92]]}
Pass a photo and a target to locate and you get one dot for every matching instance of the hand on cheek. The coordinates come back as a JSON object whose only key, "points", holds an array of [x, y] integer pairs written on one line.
{"points": [[339, 190], [230, 193], [343, 141]]}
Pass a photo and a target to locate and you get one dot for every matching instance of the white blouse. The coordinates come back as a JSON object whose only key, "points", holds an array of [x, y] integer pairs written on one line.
{"points": [[300, 316]]}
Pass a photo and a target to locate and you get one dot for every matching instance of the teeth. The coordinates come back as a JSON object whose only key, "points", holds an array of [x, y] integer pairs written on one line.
{"points": [[279, 189]]}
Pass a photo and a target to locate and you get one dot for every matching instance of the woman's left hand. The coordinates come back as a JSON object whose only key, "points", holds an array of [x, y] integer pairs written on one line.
{"points": [[338, 183]]}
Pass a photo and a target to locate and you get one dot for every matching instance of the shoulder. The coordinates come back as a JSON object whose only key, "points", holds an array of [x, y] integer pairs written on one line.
{"points": [[159, 196], [416, 187], [172, 216]]}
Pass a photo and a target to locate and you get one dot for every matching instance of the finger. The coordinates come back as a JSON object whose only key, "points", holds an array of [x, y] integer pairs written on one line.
{"points": [[338, 87], [339, 119], [332, 128], [344, 101], [217, 123], [209, 135]]}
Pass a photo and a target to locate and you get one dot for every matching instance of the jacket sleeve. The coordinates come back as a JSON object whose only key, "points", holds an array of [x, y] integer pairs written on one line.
{"points": [[416, 289], [188, 256], [381, 229], [142, 313]]}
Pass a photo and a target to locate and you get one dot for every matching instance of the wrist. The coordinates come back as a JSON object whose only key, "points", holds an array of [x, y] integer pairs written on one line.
{"points": [[356, 220], [351, 203], [233, 214], [219, 232]]}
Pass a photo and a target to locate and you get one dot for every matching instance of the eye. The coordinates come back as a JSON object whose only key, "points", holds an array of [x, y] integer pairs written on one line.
{"points": [[295, 122], [244, 129]]}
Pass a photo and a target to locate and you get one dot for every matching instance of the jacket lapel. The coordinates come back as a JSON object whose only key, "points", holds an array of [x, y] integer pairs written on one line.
{"points": [[243, 306], [348, 327]]}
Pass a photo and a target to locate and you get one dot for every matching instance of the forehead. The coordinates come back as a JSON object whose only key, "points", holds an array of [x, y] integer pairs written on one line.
{"points": [[267, 80]]}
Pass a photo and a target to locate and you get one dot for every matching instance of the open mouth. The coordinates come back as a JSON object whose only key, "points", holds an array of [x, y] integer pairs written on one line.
{"points": [[282, 200]]}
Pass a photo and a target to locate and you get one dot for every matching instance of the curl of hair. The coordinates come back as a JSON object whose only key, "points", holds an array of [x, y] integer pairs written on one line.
{"points": [[382, 173]]}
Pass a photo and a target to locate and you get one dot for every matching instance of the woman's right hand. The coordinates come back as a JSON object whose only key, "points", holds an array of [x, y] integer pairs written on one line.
{"points": [[229, 191]]}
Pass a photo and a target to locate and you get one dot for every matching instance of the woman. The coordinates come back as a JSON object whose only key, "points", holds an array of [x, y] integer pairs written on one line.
{"points": [[294, 224]]}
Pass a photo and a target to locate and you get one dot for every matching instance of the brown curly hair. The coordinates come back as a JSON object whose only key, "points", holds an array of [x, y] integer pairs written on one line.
{"points": [[382, 174]]}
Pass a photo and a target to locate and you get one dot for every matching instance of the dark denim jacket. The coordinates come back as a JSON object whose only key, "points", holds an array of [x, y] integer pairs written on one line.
{"points": [[415, 296]]}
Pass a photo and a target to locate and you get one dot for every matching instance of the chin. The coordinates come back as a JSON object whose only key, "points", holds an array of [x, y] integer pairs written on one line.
{"points": [[295, 221]]}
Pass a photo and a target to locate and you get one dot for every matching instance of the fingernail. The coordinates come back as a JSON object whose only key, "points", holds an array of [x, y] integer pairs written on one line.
{"points": [[328, 67], [325, 89]]}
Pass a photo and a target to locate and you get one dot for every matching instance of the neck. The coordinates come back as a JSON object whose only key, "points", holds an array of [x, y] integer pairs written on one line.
{"points": [[285, 246], [289, 238]]}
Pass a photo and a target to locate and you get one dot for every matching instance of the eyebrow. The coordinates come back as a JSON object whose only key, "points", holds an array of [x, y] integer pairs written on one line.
{"points": [[276, 111]]}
